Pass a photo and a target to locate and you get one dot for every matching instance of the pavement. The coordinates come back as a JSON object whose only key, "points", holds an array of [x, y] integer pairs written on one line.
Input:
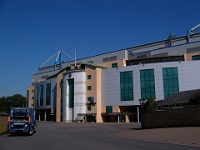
{"points": [[189, 136]]}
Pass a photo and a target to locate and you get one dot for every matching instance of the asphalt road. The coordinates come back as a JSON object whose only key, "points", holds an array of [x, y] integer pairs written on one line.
{"points": [[76, 136]]}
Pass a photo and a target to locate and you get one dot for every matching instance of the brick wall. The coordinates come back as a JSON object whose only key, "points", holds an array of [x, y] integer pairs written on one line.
{"points": [[187, 116]]}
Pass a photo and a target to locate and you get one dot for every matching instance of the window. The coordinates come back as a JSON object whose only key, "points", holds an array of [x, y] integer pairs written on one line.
{"points": [[48, 94], [126, 86], [90, 99], [196, 57], [89, 77], [147, 84], [89, 108], [108, 109], [114, 65], [170, 81], [71, 93], [41, 94], [89, 87]]}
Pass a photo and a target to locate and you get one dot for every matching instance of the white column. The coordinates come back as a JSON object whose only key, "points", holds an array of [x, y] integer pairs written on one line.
{"points": [[39, 115], [118, 118], [138, 114], [45, 115]]}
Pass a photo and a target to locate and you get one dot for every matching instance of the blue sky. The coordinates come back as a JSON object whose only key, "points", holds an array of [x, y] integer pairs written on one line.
{"points": [[31, 31]]}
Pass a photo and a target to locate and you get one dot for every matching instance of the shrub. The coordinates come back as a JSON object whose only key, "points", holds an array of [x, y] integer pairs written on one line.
{"points": [[150, 106]]}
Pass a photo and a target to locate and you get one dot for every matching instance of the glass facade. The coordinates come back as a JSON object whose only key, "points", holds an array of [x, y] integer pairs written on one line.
{"points": [[48, 94], [41, 94], [71, 93], [147, 84], [170, 81], [126, 86]]}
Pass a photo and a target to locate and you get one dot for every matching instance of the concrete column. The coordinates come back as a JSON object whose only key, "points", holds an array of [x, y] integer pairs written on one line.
{"points": [[118, 118], [39, 115], [127, 118], [45, 115], [138, 114], [58, 98]]}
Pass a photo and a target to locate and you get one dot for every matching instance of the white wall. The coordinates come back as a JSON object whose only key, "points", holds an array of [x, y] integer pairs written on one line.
{"points": [[70, 114], [188, 75]]}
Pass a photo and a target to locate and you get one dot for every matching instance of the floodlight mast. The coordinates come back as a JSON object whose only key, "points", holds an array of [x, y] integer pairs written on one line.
{"points": [[191, 31], [58, 58], [196, 27]]}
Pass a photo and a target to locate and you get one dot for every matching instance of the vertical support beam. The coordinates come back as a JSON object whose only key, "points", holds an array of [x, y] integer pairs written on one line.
{"points": [[52, 114], [39, 115], [138, 114], [98, 97], [58, 97], [45, 115], [127, 118]]}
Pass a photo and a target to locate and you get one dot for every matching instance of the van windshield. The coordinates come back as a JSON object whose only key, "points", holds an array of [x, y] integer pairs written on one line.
{"points": [[19, 114]]}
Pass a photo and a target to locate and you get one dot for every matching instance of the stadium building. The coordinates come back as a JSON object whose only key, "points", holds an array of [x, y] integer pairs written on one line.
{"points": [[108, 87]]}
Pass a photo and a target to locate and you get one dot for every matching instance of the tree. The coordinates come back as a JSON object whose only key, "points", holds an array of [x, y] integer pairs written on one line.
{"points": [[150, 106], [4, 107], [16, 100]]}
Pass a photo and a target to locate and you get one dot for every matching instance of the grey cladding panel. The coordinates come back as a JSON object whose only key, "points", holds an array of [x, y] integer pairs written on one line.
{"points": [[109, 58], [193, 49], [160, 55], [142, 56], [106, 59]]}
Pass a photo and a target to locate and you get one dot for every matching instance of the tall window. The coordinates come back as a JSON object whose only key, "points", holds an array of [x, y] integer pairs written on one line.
{"points": [[170, 81], [48, 94], [71, 93], [41, 94], [126, 86], [147, 84], [89, 108]]}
